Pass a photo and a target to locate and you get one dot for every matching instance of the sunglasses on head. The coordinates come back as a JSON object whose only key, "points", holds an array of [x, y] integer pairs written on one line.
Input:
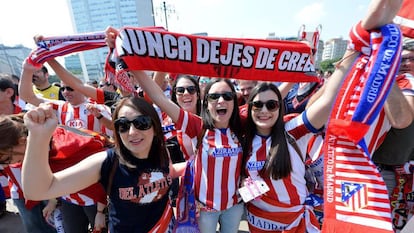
{"points": [[190, 89], [142, 122], [271, 105], [67, 88], [227, 96]]}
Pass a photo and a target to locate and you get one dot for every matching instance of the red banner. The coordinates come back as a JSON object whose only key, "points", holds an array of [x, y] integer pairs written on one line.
{"points": [[159, 50]]}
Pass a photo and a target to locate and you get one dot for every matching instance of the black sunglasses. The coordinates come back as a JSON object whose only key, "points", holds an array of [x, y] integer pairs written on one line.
{"points": [[142, 122], [105, 84], [271, 105], [407, 59], [66, 88], [190, 89], [227, 96]]}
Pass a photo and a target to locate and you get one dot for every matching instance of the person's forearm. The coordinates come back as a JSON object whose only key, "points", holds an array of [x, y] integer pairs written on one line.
{"points": [[107, 122], [26, 88], [71, 80], [397, 109], [156, 94], [380, 12], [36, 173], [319, 111], [285, 87]]}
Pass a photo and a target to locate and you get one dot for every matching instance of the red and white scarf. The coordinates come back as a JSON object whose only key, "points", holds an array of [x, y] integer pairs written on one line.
{"points": [[355, 195], [51, 47], [159, 50]]}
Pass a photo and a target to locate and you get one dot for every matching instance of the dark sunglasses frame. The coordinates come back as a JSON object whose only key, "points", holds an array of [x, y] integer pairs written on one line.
{"points": [[271, 105], [66, 88], [227, 96], [105, 84], [141, 122], [407, 59], [190, 89]]}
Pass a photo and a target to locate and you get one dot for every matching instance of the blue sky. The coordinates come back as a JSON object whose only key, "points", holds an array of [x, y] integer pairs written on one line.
{"points": [[21, 19]]}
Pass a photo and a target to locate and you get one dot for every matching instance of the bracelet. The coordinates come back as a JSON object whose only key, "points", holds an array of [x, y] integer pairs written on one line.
{"points": [[101, 211], [99, 117]]}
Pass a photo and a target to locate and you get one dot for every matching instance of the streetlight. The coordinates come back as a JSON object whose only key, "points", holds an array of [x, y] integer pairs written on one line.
{"points": [[167, 10]]}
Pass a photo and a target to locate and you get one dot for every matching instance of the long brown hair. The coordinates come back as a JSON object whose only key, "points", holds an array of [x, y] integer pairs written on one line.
{"points": [[12, 128], [158, 154], [278, 164]]}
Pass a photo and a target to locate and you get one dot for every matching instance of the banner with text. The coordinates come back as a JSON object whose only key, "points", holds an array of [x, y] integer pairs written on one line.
{"points": [[253, 59]]}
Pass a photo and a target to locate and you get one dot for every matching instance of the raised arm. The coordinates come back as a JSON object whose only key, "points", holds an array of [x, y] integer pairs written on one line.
{"points": [[380, 12], [41, 123], [398, 109], [26, 86], [71, 80], [153, 90]]}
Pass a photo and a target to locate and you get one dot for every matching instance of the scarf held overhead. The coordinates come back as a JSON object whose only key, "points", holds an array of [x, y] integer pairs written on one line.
{"points": [[356, 198], [159, 50], [51, 47]]}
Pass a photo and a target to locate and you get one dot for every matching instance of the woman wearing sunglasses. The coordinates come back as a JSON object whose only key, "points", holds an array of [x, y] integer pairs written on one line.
{"points": [[215, 136], [137, 172], [271, 158], [275, 150]]}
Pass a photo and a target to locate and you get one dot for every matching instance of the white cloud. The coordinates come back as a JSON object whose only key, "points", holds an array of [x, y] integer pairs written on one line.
{"points": [[310, 14]]}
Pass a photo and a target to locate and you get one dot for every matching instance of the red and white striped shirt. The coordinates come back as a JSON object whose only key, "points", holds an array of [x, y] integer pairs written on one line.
{"points": [[282, 207], [14, 174], [79, 117], [4, 182], [217, 165]]}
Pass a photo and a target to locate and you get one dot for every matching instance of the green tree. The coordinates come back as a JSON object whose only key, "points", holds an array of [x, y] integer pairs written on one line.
{"points": [[328, 64]]}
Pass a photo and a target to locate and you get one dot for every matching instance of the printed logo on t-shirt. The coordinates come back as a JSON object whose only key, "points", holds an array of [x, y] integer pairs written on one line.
{"points": [[226, 152], [151, 187], [255, 165], [76, 123]]}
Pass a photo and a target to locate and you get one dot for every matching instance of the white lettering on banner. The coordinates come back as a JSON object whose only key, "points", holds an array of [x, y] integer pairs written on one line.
{"points": [[385, 65], [236, 55], [179, 47], [264, 224], [330, 163], [155, 44], [266, 58], [295, 61]]}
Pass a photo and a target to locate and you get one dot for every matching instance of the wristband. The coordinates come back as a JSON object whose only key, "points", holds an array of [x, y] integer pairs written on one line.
{"points": [[101, 211]]}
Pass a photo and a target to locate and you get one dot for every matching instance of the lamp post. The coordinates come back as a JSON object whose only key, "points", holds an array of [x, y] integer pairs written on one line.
{"points": [[165, 14], [167, 10]]}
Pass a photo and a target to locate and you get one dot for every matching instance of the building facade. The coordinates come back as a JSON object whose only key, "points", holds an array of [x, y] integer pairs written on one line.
{"points": [[11, 58], [96, 16], [334, 48]]}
